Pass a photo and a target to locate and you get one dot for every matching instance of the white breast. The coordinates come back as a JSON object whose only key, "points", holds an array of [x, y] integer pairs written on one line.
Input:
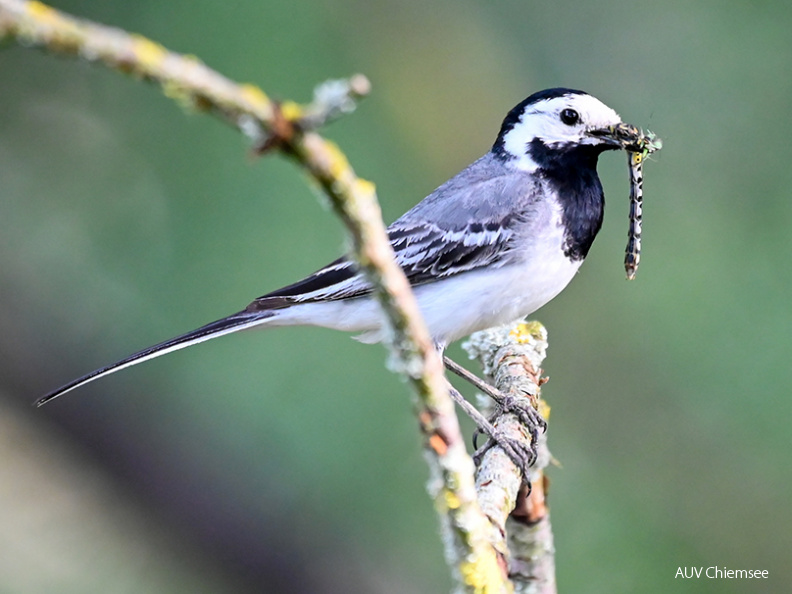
{"points": [[484, 298]]}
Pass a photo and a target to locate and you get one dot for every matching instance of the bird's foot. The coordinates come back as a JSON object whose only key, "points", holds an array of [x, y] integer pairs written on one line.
{"points": [[519, 451], [528, 416], [522, 453]]}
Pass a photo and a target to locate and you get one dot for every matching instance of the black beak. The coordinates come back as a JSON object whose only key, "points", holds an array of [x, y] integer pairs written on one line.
{"points": [[628, 137]]}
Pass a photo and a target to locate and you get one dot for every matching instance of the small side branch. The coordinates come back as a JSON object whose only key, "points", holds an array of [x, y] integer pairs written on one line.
{"points": [[289, 128], [183, 78], [512, 357]]}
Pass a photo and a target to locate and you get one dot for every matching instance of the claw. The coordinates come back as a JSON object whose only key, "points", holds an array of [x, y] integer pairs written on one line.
{"points": [[476, 434], [527, 414], [522, 456]]}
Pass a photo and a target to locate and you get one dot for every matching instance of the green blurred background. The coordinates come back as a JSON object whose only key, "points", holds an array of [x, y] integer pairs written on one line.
{"points": [[289, 460]]}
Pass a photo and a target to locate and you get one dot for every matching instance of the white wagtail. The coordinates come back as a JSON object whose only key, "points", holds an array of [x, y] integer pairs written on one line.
{"points": [[492, 244]]}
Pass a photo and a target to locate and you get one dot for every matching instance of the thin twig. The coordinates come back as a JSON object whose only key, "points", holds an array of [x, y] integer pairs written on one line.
{"points": [[288, 127]]}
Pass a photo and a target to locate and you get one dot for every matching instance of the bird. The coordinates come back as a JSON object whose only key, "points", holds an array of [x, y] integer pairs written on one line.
{"points": [[492, 244]]}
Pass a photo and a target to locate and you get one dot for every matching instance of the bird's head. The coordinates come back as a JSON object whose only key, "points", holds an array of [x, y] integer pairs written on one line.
{"points": [[558, 121]]}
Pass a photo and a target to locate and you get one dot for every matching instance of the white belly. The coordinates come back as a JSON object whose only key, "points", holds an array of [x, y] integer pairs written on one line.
{"points": [[480, 300], [454, 307]]}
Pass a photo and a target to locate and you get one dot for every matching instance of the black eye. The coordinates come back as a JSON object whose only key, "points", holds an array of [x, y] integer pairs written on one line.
{"points": [[570, 117]]}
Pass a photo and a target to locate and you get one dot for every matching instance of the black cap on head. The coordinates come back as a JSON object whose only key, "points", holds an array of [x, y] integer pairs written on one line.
{"points": [[517, 111]]}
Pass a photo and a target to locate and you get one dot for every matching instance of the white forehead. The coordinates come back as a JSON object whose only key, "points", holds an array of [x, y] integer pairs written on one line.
{"points": [[593, 112]]}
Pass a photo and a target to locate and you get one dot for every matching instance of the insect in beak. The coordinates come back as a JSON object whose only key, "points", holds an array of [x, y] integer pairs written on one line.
{"points": [[639, 145], [629, 138]]}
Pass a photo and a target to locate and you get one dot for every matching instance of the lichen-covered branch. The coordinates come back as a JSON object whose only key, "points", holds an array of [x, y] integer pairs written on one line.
{"points": [[465, 529], [512, 357], [289, 128]]}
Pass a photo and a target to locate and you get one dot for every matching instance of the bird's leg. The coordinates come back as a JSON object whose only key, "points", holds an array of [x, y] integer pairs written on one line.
{"points": [[521, 455], [521, 407], [483, 424], [527, 414]]}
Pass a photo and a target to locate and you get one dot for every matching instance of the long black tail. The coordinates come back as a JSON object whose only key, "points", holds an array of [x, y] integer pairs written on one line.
{"points": [[232, 323]]}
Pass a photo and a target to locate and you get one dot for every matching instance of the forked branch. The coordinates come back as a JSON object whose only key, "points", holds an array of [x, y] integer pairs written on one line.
{"points": [[289, 128]]}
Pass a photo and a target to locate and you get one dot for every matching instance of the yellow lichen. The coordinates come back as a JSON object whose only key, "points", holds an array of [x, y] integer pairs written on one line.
{"points": [[482, 574], [42, 13], [337, 161], [525, 332], [254, 95], [148, 54], [179, 93], [364, 186], [451, 500], [291, 111]]}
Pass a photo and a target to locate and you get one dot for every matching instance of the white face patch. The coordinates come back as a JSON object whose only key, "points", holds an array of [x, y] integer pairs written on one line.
{"points": [[542, 120]]}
